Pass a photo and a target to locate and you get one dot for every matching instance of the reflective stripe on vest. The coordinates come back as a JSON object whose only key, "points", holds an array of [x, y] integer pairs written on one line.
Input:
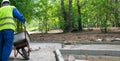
{"points": [[8, 23], [6, 18]]}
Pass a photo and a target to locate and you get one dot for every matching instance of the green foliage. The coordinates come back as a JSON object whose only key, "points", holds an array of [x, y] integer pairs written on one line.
{"points": [[45, 15]]}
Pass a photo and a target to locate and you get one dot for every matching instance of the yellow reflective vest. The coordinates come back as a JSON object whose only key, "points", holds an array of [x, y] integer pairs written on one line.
{"points": [[6, 18]]}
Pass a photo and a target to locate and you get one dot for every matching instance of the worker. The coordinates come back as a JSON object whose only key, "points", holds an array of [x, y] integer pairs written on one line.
{"points": [[7, 28]]}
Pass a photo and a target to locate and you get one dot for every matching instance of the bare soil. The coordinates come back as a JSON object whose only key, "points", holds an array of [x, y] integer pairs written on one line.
{"points": [[86, 35]]}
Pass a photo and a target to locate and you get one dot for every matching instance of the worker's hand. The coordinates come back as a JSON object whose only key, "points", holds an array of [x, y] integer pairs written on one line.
{"points": [[24, 24]]}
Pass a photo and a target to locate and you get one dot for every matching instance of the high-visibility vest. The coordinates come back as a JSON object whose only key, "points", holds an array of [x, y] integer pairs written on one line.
{"points": [[6, 18]]}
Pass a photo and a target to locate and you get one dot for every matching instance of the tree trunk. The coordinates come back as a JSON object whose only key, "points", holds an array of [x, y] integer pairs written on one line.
{"points": [[64, 15], [70, 23], [79, 14], [106, 18], [116, 13]]}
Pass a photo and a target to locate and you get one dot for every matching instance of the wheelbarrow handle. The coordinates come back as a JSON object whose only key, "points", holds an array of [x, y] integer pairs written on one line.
{"points": [[25, 38], [24, 26], [25, 29]]}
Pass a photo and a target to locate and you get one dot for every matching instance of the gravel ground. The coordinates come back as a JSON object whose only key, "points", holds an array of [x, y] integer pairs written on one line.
{"points": [[40, 52]]}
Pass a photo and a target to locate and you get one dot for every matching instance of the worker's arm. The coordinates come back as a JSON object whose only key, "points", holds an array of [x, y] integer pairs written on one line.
{"points": [[18, 15]]}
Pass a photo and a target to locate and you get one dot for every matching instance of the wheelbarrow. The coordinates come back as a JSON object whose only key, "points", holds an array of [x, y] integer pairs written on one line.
{"points": [[21, 44]]}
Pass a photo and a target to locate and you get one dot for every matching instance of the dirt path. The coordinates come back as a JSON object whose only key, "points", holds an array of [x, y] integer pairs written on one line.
{"points": [[114, 34]]}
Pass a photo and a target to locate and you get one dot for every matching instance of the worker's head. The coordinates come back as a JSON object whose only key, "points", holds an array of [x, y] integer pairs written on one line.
{"points": [[4, 2]]}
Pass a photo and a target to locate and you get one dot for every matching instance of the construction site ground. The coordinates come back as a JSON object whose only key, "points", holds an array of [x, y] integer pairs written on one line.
{"points": [[39, 52], [43, 45], [45, 51]]}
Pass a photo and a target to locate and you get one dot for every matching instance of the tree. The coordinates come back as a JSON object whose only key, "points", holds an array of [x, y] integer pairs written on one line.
{"points": [[117, 22], [67, 18], [64, 15], [79, 14], [45, 15], [70, 23]]}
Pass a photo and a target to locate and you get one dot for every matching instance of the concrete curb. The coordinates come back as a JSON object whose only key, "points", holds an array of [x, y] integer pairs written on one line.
{"points": [[58, 55], [91, 52], [110, 43]]}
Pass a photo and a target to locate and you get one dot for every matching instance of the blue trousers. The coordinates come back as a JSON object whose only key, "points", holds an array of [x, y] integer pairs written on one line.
{"points": [[6, 42]]}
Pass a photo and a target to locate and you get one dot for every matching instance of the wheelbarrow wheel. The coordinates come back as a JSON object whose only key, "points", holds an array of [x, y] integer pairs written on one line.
{"points": [[25, 54]]}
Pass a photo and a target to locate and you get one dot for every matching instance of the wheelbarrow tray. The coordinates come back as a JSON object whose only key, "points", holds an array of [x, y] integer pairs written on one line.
{"points": [[21, 39]]}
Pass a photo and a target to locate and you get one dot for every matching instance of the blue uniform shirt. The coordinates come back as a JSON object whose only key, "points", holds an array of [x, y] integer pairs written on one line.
{"points": [[18, 15]]}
